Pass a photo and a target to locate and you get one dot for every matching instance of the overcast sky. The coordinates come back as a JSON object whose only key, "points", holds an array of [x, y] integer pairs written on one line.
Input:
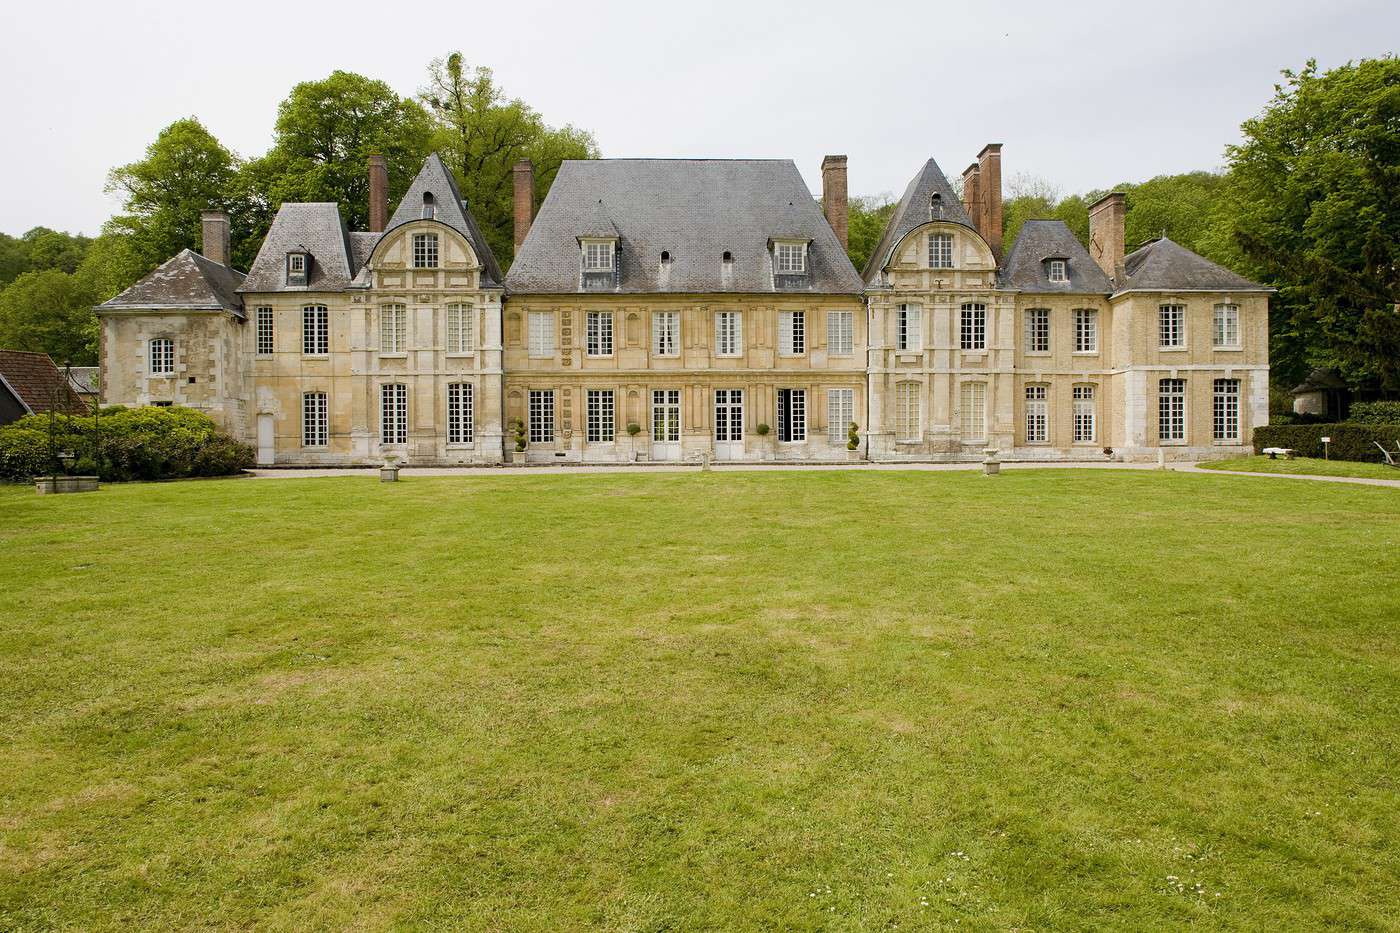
{"points": [[1083, 94]]}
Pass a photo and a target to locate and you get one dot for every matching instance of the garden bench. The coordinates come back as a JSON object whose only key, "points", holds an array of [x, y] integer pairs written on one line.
{"points": [[1273, 453]]}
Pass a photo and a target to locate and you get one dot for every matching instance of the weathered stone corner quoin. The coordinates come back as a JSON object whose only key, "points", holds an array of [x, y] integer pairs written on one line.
{"points": [[694, 309]]}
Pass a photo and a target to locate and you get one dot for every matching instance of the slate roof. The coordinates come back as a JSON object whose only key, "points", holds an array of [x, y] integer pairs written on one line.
{"points": [[84, 378], [1162, 265], [435, 178], [314, 227], [38, 384], [913, 211], [695, 209], [1025, 267], [185, 282]]}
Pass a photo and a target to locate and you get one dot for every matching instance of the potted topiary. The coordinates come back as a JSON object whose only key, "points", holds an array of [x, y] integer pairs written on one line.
{"points": [[853, 441], [633, 429], [517, 456], [764, 443]]}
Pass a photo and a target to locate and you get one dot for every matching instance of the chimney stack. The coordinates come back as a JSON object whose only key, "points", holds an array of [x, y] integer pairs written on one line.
{"points": [[215, 236], [972, 198], [834, 196], [378, 193], [989, 189], [524, 199], [1107, 218]]}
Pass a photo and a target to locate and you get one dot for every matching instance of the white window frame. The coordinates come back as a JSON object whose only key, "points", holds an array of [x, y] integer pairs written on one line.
{"points": [[1225, 411], [909, 328], [600, 414], [790, 258], [792, 416], [1171, 326], [393, 329], [1171, 411], [266, 340], [940, 251], [908, 411], [393, 414], [840, 333], [1037, 331], [666, 333], [1058, 270], [315, 330], [461, 413], [160, 356], [296, 262], [729, 333], [1085, 413], [315, 420], [792, 333], [540, 339], [541, 416], [461, 328], [972, 412], [598, 327], [1226, 326], [972, 327], [666, 416], [1086, 331], [840, 412], [597, 255], [1037, 397], [425, 251], [729, 415]]}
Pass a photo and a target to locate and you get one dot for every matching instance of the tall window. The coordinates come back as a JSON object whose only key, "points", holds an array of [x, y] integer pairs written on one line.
{"points": [[541, 333], [1059, 270], [973, 410], [1171, 326], [315, 431], [792, 415], [792, 333], [541, 416], [906, 411], [840, 412], [1171, 409], [425, 251], [790, 258], [601, 414], [1086, 330], [840, 332], [393, 329], [729, 415], [666, 416], [1038, 330], [1227, 410], [315, 330], [1085, 427], [598, 257], [461, 328], [599, 325], [393, 414], [265, 342], [729, 333], [665, 333], [974, 326], [162, 357], [908, 328], [1037, 415], [460, 413], [1227, 327], [940, 251]]}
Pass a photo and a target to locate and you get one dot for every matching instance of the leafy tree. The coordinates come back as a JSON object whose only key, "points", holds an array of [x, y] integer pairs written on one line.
{"points": [[481, 135], [866, 224], [325, 133], [1312, 205], [49, 311], [40, 248], [1181, 207]]}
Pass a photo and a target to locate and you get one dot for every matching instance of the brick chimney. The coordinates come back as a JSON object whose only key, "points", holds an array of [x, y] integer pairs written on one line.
{"points": [[215, 235], [834, 196], [989, 190], [1107, 218], [972, 198], [524, 199], [378, 193]]}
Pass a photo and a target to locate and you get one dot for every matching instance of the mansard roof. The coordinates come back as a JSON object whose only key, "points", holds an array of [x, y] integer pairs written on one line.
{"points": [[694, 209], [914, 210], [1026, 269], [436, 179], [185, 282], [315, 228], [1162, 265]]}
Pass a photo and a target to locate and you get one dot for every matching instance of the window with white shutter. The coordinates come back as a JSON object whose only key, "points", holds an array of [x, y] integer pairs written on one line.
{"points": [[840, 412], [461, 328], [792, 333], [908, 328], [729, 340], [840, 332], [973, 411], [541, 333]]}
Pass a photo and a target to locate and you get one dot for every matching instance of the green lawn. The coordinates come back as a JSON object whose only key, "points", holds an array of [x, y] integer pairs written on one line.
{"points": [[1308, 465], [829, 700]]}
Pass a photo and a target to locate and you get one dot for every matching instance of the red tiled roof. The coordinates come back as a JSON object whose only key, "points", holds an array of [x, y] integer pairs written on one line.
{"points": [[38, 383]]}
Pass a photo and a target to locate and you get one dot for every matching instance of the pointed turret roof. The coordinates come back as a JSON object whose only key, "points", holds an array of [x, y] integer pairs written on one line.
{"points": [[914, 210], [185, 282], [1162, 265], [436, 179]]}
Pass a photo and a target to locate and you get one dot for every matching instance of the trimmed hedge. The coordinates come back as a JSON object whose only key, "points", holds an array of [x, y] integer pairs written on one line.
{"points": [[1375, 413], [136, 443], [1350, 441]]}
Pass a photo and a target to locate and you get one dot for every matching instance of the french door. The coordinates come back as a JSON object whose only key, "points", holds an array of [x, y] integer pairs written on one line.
{"points": [[729, 424], [666, 424]]}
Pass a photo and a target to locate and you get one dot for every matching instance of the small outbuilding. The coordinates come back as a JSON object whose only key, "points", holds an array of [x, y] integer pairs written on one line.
{"points": [[30, 383], [1324, 393]]}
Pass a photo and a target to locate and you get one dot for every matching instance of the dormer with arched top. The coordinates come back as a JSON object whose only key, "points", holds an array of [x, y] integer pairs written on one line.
{"points": [[424, 254]]}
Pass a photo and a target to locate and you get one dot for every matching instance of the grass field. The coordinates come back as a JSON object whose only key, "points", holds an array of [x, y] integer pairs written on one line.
{"points": [[828, 700], [1311, 466]]}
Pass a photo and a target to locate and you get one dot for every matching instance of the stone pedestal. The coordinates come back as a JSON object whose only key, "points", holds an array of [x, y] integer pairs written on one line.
{"points": [[991, 466], [52, 485]]}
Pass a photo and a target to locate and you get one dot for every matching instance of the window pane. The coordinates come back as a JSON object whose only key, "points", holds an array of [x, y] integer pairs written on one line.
{"points": [[541, 416], [1172, 325], [541, 333], [1084, 417], [315, 330], [1037, 415], [1226, 414], [265, 334], [906, 407], [974, 327], [973, 397], [1171, 409], [1038, 330], [840, 332], [600, 415], [425, 251], [909, 328], [940, 251], [840, 412], [729, 414], [665, 332], [460, 421], [792, 415], [1086, 330], [728, 339], [314, 427], [393, 414]]}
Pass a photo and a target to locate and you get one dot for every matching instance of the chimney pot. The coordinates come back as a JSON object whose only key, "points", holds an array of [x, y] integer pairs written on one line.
{"points": [[989, 189], [834, 201], [1107, 219], [378, 193], [215, 235], [524, 172]]}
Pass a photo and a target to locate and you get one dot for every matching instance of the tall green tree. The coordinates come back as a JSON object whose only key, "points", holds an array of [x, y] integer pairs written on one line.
{"points": [[39, 249], [866, 224], [325, 133], [1312, 205], [50, 311], [481, 134]]}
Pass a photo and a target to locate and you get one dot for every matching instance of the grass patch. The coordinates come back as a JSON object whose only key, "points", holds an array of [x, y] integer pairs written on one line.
{"points": [[825, 700], [1309, 466]]}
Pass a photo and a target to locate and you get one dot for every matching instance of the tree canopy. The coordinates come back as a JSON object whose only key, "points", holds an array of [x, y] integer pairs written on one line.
{"points": [[865, 225]]}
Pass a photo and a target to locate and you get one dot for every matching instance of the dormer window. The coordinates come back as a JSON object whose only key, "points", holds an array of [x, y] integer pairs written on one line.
{"points": [[665, 255], [940, 250], [598, 256], [425, 251], [935, 206], [790, 258], [297, 264], [728, 256], [1059, 270], [429, 206]]}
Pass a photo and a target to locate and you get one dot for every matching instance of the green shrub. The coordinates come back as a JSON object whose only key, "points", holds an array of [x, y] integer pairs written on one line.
{"points": [[1350, 441], [1375, 413], [130, 443], [853, 436]]}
